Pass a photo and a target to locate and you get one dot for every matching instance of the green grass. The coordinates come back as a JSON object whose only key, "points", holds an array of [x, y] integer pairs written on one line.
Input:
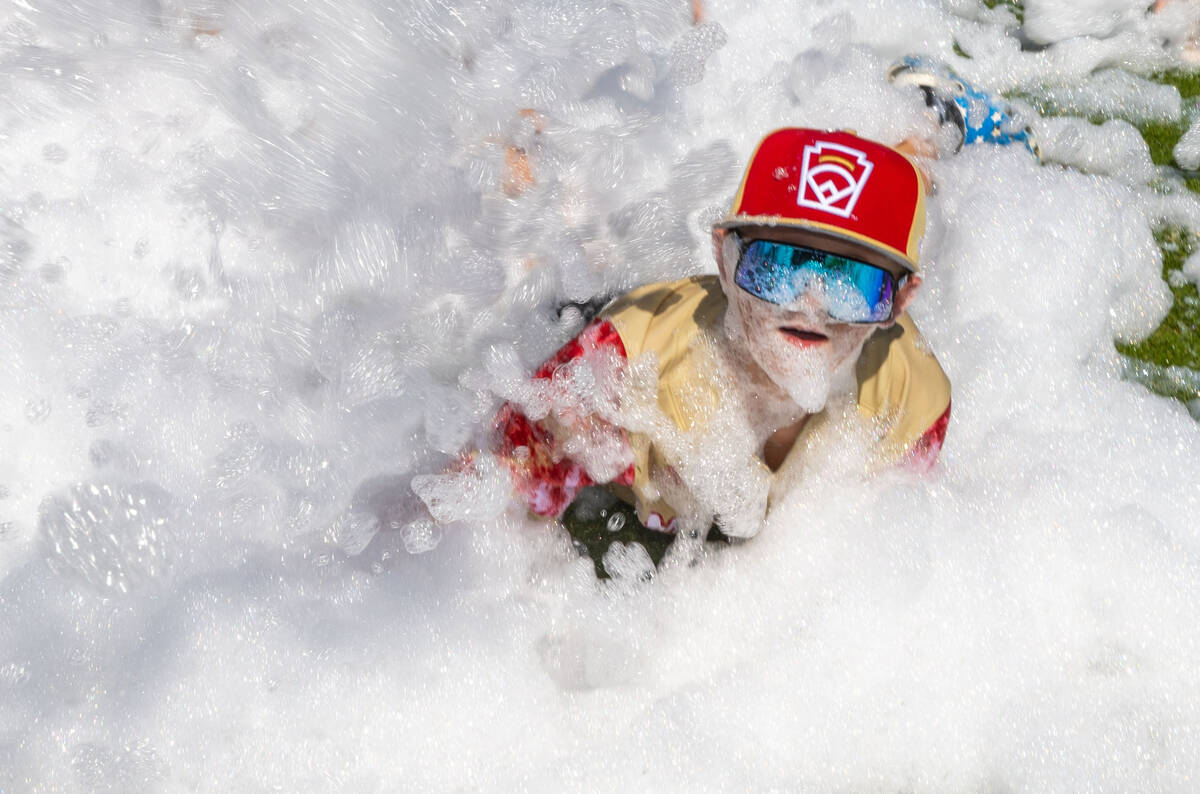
{"points": [[1016, 6], [1176, 342], [1188, 83], [1161, 137]]}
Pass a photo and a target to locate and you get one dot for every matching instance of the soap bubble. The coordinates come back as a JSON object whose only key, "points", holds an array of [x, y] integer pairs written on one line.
{"points": [[628, 562], [421, 536], [693, 49], [1187, 150], [114, 537], [37, 410], [355, 531], [136, 768]]}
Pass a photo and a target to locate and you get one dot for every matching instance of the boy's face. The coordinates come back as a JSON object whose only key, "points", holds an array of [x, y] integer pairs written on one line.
{"points": [[799, 346]]}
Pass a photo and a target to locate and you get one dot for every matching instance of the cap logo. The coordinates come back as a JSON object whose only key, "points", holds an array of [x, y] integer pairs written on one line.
{"points": [[832, 177]]}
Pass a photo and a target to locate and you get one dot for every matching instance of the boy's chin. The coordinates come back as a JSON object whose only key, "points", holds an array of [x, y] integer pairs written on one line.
{"points": [[806, 379], [806, 376], [810, 394]]}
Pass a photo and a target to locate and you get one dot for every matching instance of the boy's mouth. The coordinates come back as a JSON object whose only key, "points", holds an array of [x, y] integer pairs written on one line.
{"points": [[802, 336]]}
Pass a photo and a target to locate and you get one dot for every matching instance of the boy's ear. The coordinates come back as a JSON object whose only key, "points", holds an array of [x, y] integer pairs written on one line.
{"points": [[908, 291]]}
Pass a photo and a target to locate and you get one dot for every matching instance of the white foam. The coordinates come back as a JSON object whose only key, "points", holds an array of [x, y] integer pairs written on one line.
{"points": [[1114, 148], [259, 264], [1114, 92], [1187, 150], [1191, 269], [1047, 21]]}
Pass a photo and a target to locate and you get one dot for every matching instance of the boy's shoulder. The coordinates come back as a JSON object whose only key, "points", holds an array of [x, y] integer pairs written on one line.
{"points": [[673, 320], [665, 308], [901, 383]]}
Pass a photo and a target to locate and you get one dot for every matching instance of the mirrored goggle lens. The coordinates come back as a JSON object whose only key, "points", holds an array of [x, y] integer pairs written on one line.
{"points": [[853, 291]]}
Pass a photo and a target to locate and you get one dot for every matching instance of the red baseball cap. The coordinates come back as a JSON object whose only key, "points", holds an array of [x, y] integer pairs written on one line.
{"points": [[836, 184]]}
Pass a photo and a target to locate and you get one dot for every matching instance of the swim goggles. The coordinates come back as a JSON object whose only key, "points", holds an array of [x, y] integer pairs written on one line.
{"points": [[779, 273]]}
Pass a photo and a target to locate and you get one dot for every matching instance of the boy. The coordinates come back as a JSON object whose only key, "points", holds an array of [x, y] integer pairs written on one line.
{"points": [[817, 262]]}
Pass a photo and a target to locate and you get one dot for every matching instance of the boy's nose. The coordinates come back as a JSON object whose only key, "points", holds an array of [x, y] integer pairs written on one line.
{"points": [[812, 301]]}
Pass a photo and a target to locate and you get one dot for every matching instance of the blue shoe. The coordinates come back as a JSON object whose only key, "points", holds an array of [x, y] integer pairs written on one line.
{"points": [[978, 116]]}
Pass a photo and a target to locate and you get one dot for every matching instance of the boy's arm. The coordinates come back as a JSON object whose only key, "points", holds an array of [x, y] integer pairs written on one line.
{"points": [[543, 473], [927, 448]]}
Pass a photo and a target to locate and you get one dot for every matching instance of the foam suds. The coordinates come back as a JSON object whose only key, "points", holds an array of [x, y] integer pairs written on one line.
{"points": [[1191, 269], [261, 262], [1187, 150]]}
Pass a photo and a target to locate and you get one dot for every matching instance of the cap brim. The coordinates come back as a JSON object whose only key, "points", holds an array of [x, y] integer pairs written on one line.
{"points": [[817, 230]]}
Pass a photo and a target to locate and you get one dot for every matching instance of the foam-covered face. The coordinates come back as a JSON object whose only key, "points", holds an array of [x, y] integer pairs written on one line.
{"points": [[798, 346]]}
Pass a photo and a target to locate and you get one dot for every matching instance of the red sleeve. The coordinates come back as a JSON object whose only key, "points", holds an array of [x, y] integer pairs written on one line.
{"points": [[545, 478], [925, 452]]}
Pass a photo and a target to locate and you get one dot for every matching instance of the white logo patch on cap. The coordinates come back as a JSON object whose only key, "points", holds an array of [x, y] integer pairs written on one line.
{"points": [[832, 177]]}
